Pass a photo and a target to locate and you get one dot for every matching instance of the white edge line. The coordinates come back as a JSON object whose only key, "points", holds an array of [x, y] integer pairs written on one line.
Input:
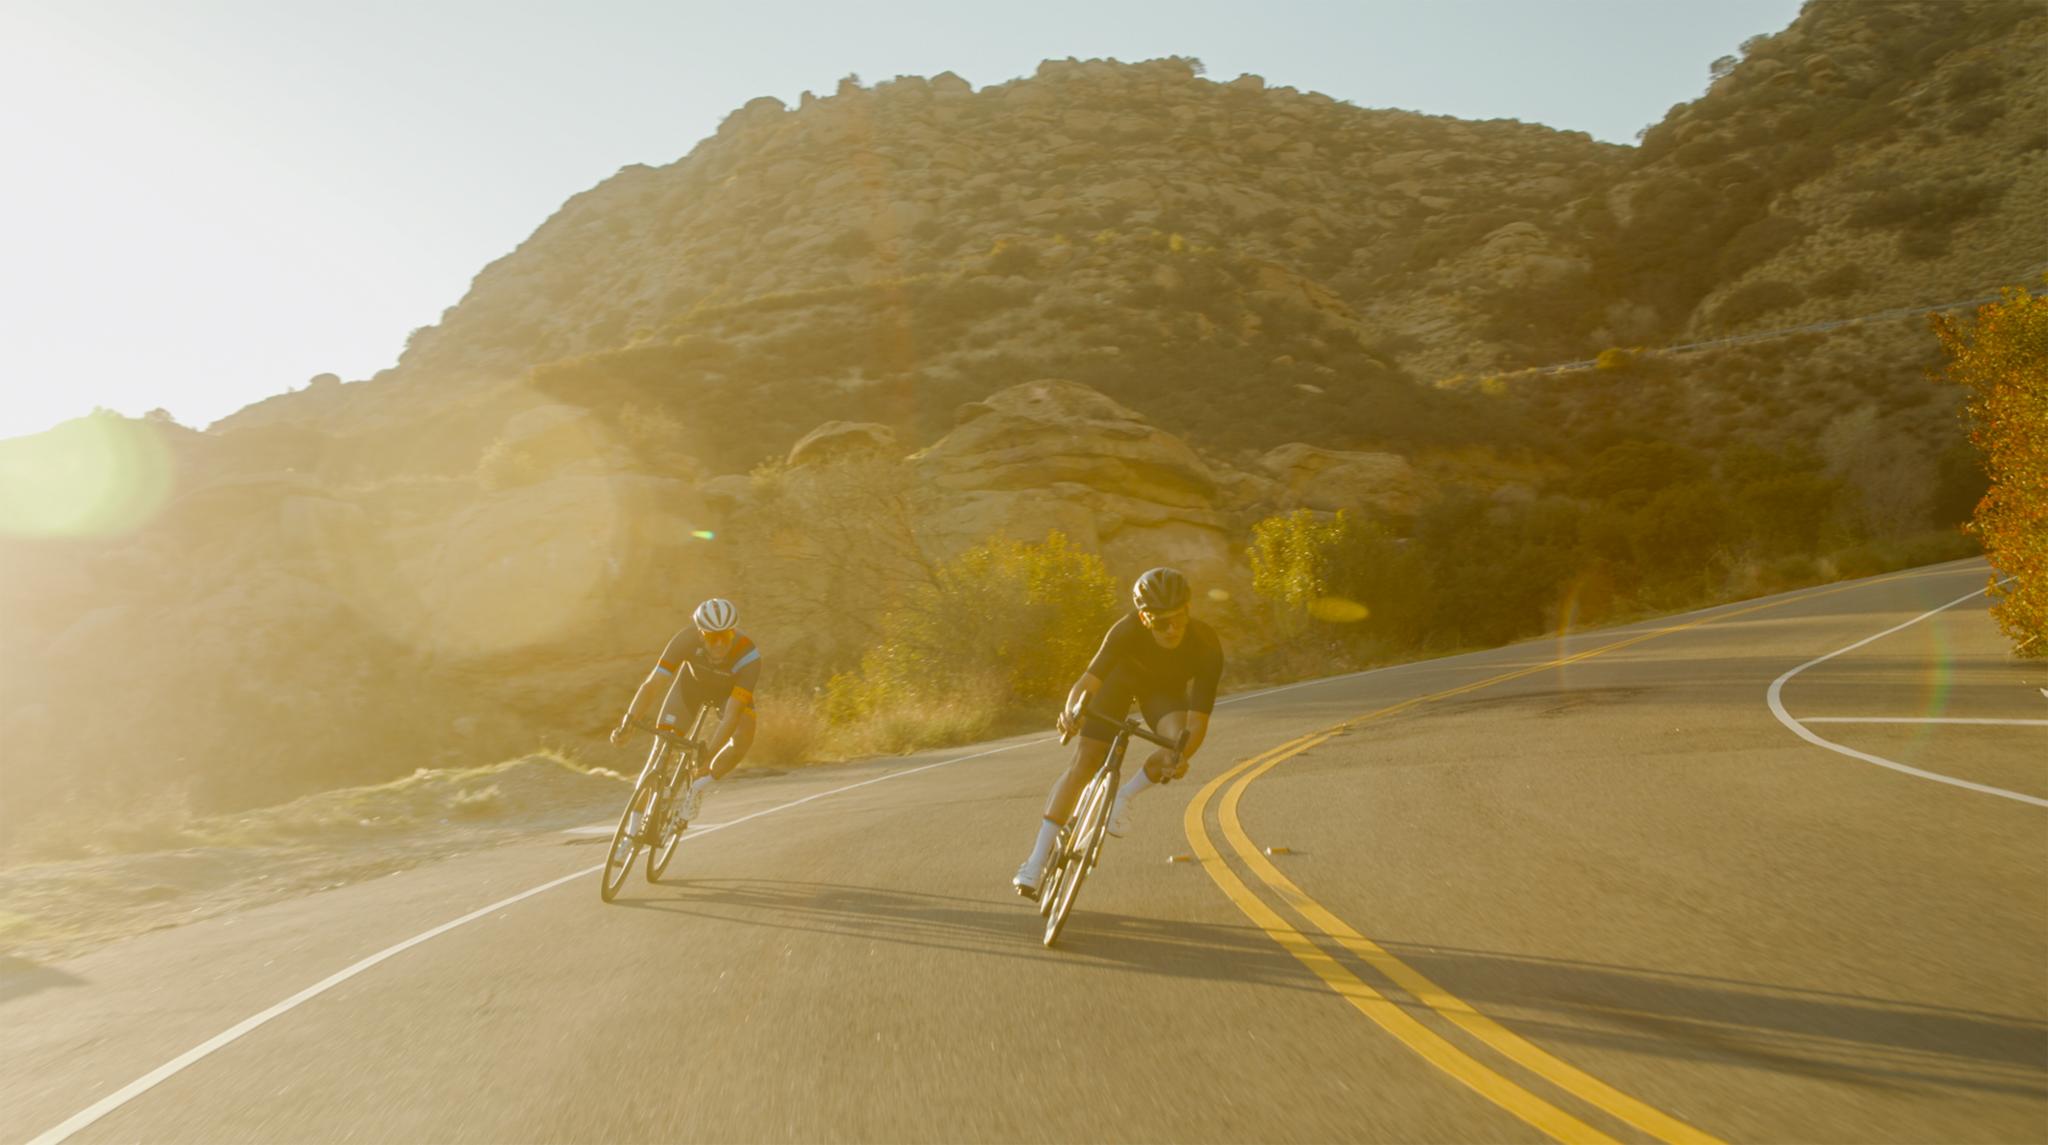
{"points": [[1772, 695], [1921, 720], [157, 1076]]}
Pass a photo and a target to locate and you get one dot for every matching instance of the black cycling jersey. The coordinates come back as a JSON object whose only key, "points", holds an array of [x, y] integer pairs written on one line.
{"points": [[1134, 666]]}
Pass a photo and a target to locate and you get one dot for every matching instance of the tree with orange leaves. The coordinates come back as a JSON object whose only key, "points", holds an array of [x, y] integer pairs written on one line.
{"points": [[2002, 359]]}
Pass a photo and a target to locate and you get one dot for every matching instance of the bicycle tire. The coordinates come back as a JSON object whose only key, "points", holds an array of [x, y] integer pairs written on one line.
{"points": [[618, 860], [671, 832], [1089, 820], [1049, 882]]}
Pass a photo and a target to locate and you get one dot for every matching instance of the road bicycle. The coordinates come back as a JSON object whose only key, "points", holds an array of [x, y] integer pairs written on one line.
{"points": [[652, 818], [1080, 841]]}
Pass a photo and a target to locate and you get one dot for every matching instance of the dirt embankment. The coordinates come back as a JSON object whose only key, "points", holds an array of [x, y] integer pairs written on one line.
{"points": [[81, 883]]}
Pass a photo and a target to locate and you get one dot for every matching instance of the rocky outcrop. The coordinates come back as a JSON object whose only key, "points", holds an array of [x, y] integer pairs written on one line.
{"points": [[839, 440], [1059, 455], [1058, 432], [1369, 484]]}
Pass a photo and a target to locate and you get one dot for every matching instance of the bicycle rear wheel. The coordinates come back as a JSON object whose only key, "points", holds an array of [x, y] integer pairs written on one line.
{"points": [[671, 826], [1084, 839], [618, 861]]}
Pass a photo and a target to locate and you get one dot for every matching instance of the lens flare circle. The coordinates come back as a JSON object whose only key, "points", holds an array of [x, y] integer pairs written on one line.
{"points": [[93, 476], [1338, 610]]}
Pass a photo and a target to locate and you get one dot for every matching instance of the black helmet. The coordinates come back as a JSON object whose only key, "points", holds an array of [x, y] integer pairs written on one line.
{"points": [[1160, 590]]}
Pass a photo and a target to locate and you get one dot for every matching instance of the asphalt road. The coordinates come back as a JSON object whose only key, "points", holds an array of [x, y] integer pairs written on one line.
{"points": [[1511, 899]]}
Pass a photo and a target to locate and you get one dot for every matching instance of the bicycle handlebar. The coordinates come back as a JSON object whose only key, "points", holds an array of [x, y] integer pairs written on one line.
{"points": [[668, 736], [1131, 725]]}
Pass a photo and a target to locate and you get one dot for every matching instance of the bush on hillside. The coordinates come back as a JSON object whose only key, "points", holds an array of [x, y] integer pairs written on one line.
{"points": [[2001, 360], [1342, 576], [1614, 358], [1010, 620]]}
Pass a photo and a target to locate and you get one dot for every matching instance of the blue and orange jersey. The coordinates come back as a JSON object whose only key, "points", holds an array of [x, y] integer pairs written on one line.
{"points": [[740, 663]]}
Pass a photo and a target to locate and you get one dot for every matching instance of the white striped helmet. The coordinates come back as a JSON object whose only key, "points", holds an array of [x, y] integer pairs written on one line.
{"points": [[715, 615]]}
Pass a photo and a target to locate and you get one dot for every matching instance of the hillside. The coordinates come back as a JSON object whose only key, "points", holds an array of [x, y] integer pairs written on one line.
{"points": [[1123, 301], [1293, 262]]}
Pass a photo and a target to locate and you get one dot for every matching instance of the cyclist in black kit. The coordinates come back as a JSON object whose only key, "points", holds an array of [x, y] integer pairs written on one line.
{"points": [[1166, 662]]}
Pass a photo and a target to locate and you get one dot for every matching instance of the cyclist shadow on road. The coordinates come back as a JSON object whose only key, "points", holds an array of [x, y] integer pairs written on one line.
{"points": [[946, 922]]}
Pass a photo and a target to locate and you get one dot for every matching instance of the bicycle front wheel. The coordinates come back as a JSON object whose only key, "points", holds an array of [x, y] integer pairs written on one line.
{"points": [[671, 826], [618, 861], [1084, 838]]}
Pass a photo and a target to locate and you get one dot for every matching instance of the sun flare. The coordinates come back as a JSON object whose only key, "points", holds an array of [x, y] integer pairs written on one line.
{"points": [[94, 476]]}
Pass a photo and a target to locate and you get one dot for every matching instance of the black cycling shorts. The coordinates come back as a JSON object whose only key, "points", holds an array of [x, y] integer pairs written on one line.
{"points": [[691, 692], [1119, 690]]}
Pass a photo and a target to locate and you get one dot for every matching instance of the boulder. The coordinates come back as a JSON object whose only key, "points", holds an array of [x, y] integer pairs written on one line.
{"points": [[837, 440], [1038, 434], [1330, 480], [1059, 455], [1522, 256]]}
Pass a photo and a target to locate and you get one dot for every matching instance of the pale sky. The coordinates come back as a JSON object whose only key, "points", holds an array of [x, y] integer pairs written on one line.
{"points": [[207, 202]]}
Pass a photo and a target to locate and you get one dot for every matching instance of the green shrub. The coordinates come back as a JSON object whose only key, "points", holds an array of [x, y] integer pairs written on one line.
{"points": [[1681, 529], [1632, 470], [1015, 619], [2001, 360], [1614, 358]]}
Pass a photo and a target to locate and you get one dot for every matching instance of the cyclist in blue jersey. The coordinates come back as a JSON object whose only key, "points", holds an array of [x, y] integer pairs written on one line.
{"points": [[708, 662]]}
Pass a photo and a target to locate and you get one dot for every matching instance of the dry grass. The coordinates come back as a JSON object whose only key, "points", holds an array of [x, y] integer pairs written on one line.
{"points": [[914, 725], [543, 785], [790, 732]]}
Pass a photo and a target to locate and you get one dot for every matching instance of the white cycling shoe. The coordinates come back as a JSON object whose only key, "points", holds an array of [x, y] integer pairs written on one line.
{"points": [[1120, 816], [1027, 879], [691, 803]]}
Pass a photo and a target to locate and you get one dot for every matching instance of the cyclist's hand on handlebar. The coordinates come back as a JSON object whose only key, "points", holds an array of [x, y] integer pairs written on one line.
{"points": [[1166, 763], [1068, 723], [619, 734]]}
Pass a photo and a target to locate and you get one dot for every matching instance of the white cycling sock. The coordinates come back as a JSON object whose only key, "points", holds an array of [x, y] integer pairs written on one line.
{"points": [[1048, 834], [703, 781], [1132, 786]]}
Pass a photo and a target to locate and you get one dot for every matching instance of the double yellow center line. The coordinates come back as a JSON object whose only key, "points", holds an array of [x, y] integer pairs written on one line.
{"points": [[1386, 1013]]}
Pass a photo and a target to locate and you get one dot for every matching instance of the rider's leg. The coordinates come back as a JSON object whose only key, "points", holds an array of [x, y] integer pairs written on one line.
{"points": [[1059, 805], [1155, 771], [735, 749], [1088, 756], [728, 757]]}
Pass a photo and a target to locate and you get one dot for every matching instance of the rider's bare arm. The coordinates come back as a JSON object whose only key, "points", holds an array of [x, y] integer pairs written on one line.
{"points": [[1198, 730], [651, 690], [647, 700], [1089, 682]]}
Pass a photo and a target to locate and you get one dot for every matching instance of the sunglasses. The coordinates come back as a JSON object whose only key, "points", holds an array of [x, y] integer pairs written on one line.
{"points": [[1155, 619]]}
